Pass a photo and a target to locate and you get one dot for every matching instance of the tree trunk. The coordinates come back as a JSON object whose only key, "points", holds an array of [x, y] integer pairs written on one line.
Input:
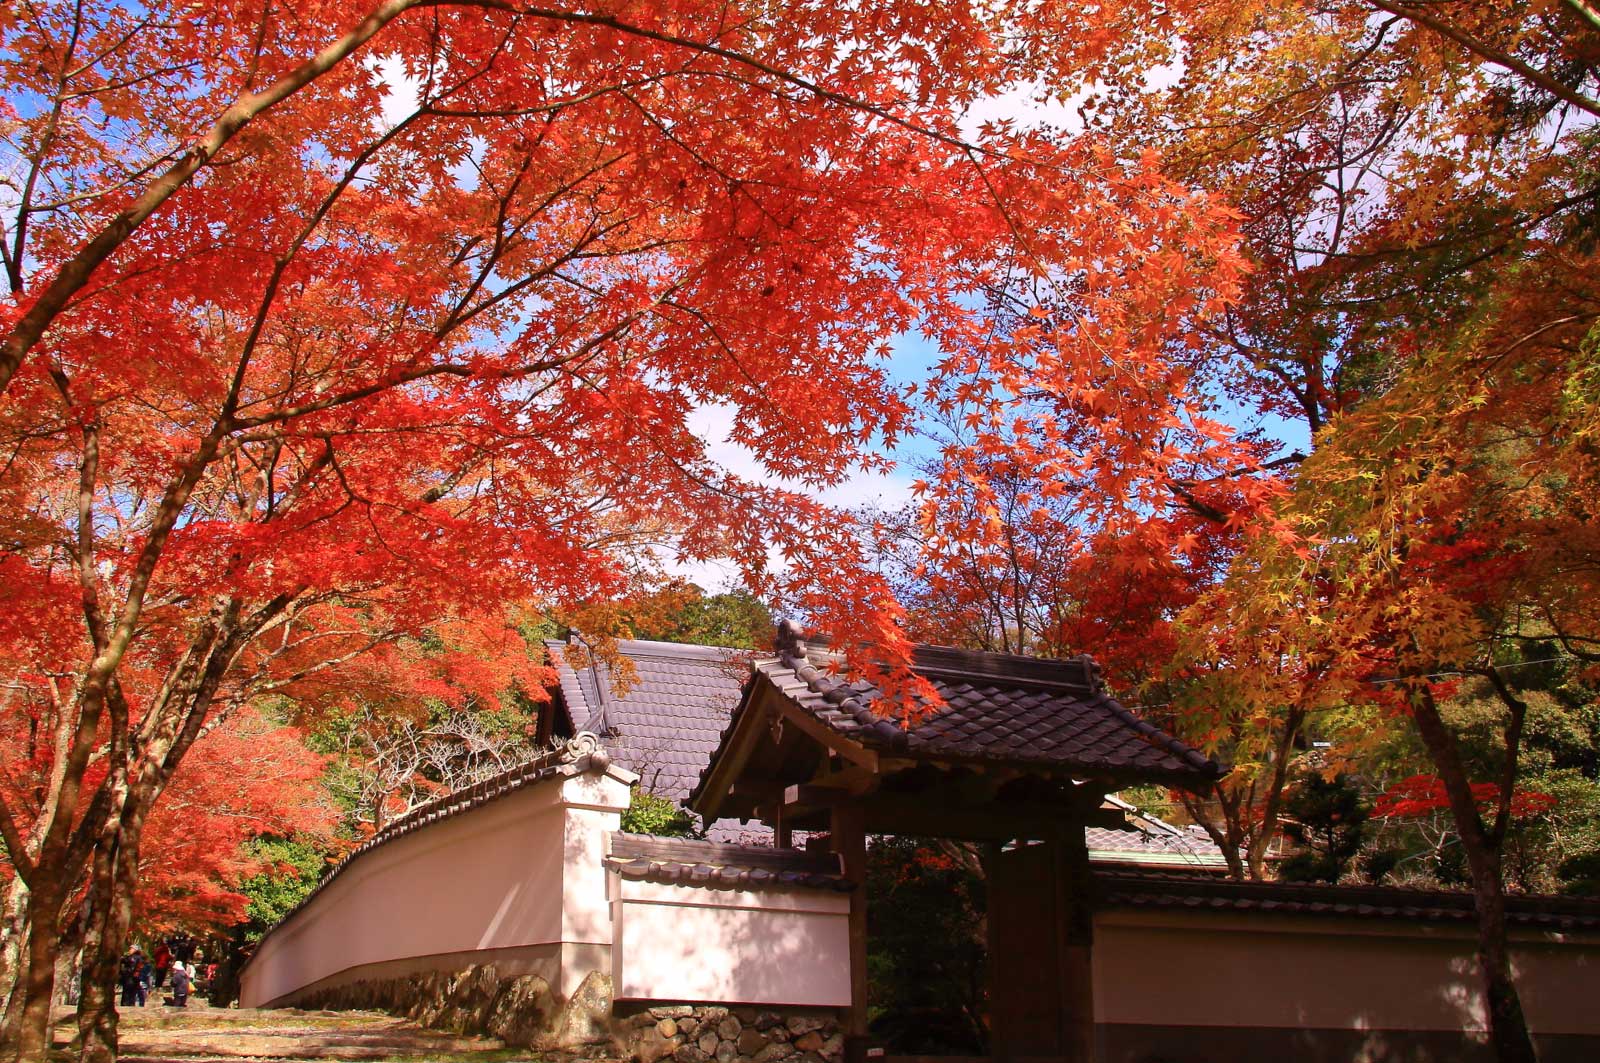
{"points": [[97, 1025], [1264, 834], [35, 989], [97, 1012], [67, 950], [1227, 841], [16, 993], [1508, 1026], [13, 962], [13, 932], [12, 1023]]}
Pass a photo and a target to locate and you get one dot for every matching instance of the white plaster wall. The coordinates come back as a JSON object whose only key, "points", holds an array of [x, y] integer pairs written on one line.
{"points": [[691, 943], [1195, 969], [501, 876]]}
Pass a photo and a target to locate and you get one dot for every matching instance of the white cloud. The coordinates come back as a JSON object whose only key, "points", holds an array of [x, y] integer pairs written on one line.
{"points": [[713, 423], [1027, 107], [400, 94], [1034, 106]]}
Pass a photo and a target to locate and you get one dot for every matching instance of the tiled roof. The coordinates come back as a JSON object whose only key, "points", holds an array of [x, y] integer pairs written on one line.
{"points": [[667, 724], [1151, 841], [681, 861], [998, 707], [1124, 889]]}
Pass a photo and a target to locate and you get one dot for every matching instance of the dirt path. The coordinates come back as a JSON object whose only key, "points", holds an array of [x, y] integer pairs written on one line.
{"points": [[172, 1035]]}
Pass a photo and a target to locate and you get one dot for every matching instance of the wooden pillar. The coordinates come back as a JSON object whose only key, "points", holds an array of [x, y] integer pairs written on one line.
{"points": [[1075, 944], [994, 945], [850, 842], [780, 827]]}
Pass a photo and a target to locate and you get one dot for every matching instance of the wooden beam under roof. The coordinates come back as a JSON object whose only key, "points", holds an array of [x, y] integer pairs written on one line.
{"points": [[810, 808]]}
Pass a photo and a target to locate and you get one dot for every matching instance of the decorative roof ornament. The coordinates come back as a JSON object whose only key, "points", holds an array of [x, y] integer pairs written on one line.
{"points": [[585, 744]]}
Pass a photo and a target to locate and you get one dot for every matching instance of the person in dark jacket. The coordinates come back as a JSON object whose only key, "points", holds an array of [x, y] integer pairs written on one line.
{"points": [[180, 984], [128, 974], [145, 974]]}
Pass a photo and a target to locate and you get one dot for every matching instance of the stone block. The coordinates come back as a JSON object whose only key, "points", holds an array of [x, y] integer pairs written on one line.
{"points": [[752, 1041], [727, 1052], [766, 1020], [587, 1014], [799, 1024], [729, 1028], [690, 1054], [808, 1042], [776, 1050], [672, 1011], [708, 1041], [521, 1011], [667, 1027], [648, 1046]]}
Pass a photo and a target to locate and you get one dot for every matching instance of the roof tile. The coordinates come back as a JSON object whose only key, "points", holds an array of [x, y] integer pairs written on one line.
{"points": [[996, 707], [1128, 889], [679, 861]]}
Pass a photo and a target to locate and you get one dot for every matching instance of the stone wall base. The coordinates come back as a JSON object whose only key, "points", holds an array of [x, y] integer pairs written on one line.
{"points": [[523, 1012], [690, 1033]]}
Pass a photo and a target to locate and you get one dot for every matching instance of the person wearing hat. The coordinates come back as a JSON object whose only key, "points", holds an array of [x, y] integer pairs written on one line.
{"points": [[128, 976], [181, 979]]}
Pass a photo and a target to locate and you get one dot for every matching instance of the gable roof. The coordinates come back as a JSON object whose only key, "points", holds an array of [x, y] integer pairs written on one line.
{"points": [[665, 726], [999, 710]]}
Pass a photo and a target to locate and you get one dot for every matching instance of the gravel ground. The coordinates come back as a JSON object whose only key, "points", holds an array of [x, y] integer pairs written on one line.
{"points": [[164, 1034]]}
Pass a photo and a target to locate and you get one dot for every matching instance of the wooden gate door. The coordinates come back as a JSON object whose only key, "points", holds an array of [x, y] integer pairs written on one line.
{"points": [[1041, 999]]}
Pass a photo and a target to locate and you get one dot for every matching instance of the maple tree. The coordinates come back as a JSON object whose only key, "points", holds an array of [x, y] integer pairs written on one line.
{"points": [[251, 778], [288, 379], [930, 991], [1415, 185], [1417, 188], [476, 706]]}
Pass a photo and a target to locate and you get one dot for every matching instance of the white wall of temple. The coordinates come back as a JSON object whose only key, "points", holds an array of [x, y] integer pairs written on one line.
{"points": [[1193, 968], [695, 943], [522, 872]]}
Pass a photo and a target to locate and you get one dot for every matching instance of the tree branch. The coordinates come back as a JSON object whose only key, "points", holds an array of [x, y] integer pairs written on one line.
{"points": [[1492, 54], [75, 273]]}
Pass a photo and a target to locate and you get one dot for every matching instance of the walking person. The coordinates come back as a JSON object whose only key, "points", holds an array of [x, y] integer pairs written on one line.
{"points": [[180, 984], [128, 976], [145, 971], [163, 957]]}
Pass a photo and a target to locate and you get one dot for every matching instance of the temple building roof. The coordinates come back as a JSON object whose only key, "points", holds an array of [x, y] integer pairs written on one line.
{"points": [[1014, 735], [997, 707], [664, 723]]}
